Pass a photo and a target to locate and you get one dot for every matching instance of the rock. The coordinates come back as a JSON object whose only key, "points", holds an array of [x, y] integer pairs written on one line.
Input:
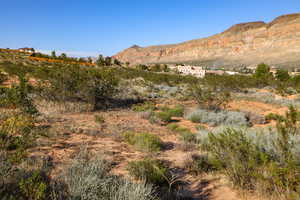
{"points": [[247, 44]]}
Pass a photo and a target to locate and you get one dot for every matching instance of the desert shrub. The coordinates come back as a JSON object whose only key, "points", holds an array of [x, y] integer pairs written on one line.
{"points": [[99, 119], [133, 191], [269, 98], [263, 73], [198, 164], [282, 75], [164, 116], [232, 83], [178, 129], [167, 113], [188, 137], [255, 118], [25, 179], [235, 153], [62, 82], [272, 116], [147, 106], [145, 115], [89, 179], [211, 98], [155, 78], [16, 69], [3, 77], [172, 126], [200, 127], [153, 118], [152, 171], [17, 133], [143, 141], [218, 118], [18, 96], [34, 187], [177, 111], [264, 161]]}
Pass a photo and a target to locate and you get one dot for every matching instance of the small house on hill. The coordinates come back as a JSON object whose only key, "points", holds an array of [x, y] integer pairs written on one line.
{"points": [[27, 50]]}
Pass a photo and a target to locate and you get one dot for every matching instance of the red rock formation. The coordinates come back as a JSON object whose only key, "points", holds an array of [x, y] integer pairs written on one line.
{"points": [[275, 43]]}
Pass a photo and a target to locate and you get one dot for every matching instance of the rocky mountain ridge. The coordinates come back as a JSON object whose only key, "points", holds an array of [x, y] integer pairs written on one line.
{"points": [[276, 43]]}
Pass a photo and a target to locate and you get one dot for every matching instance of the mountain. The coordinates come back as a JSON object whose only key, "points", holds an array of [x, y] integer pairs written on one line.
{"points": [[276, 43]]}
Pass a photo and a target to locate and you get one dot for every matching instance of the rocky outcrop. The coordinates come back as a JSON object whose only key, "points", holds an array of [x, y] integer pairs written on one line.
{"points": [[276, 43]]}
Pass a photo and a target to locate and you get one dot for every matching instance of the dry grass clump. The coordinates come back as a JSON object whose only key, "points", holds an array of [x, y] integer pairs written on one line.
{"points": [[217, 118], [89, 179], [269, 98], [143, 141], [49, 108], [198, 164]]}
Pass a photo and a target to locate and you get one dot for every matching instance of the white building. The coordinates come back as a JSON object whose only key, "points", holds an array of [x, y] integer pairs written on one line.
{"points": [[191, 70], [27, 50], [231, 72]]}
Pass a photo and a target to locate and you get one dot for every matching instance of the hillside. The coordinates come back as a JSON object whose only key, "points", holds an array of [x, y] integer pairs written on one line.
{"points": [[276, 43]]}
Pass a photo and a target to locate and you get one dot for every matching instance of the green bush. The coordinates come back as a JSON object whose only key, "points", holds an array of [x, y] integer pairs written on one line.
{"points": [[238, 156], [18, 96], [143, 141], [200, 127], [99, 119], [152, 171], [155, 78], [211, 97], [188, 137], [164, 116], [198, 164], [3, 77], [256, 161], [272, 116], [17, 133], [178, 111], [74, 83], [172, 126], [33, 187], [147, 106]]}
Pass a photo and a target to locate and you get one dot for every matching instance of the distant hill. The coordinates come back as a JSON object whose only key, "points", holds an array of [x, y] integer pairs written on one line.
{"points": [[276, 43]]}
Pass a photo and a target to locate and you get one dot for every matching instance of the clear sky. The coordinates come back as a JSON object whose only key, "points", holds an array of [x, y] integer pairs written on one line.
{"points": [[90, 27]]}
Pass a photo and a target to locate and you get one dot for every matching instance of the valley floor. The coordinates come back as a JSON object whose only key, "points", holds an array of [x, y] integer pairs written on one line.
{"points": [[72, 131]]}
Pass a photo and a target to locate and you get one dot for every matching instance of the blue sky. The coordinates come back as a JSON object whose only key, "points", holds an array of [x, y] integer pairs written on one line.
{"points": [[91, 27]]}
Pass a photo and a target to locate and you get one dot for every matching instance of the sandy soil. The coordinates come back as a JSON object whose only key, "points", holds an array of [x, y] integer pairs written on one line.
{"points": [[81, 129]]}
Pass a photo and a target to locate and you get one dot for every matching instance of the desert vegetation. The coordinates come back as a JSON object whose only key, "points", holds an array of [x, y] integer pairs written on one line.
{"points": [[69, 131]]}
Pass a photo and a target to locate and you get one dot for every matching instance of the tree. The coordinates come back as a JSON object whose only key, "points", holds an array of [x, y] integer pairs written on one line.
{"points": [[100, 61], [90, 60], [81, 60], [262, 71], [142, 67], [165, 68], [53, 54], [282, 75], [211, 97], [63, 56], [156, 68], [108, 61], [117, 62]]}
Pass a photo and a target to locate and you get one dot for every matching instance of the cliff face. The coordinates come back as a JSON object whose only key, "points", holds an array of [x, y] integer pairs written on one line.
{"points": [[276, 43]]}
